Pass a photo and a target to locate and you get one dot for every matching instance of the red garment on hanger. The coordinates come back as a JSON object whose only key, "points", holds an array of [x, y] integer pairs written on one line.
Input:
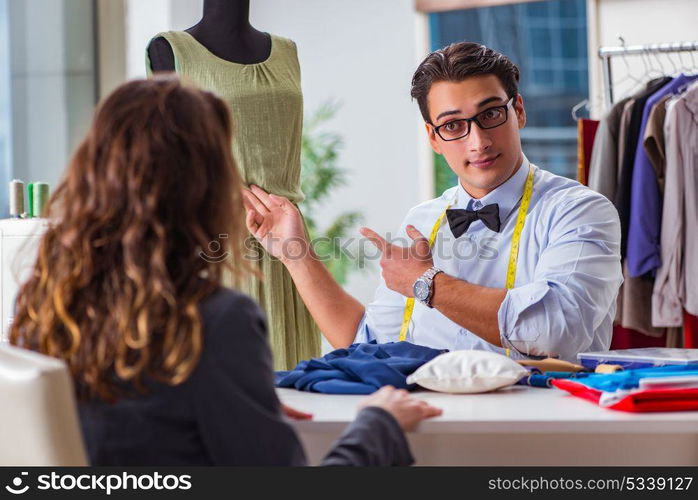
{"points": [[690, 331], [625, 338], [586, 132]]}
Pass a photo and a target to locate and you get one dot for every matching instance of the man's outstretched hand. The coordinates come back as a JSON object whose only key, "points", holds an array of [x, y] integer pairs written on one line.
{"points": [[402, 266], [276, 223]]}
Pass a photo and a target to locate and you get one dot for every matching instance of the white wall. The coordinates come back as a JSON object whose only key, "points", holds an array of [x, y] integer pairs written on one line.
{"points": [[638, 22], [143, 21], [185, 13]]}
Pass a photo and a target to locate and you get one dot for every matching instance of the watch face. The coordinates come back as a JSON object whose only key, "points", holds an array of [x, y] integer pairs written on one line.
{"points": [[421, 290]]}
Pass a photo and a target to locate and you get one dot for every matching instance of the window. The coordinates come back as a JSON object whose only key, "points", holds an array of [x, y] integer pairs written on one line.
{"points": [[5, 109], [548, 41], [47, 87]]}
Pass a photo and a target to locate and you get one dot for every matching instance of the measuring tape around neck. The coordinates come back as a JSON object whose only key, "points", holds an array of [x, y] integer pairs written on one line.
{"points": [[513, 253]]}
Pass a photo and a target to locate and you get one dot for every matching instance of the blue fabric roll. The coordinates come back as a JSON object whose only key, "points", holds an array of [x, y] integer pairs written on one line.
{"points": [[359, 369], [539, 379], [630, 379]]}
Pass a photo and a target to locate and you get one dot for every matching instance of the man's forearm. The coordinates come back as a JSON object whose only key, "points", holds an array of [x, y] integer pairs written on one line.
{"points": [[471, 306], [337, 313]]}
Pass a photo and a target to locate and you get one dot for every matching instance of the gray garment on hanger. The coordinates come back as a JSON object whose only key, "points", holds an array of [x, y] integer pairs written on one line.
{"points": [[604, 166], [654, 139]]}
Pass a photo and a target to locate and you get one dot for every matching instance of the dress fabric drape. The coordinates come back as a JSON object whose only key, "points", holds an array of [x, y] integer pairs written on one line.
{"points": [[266, 103]]}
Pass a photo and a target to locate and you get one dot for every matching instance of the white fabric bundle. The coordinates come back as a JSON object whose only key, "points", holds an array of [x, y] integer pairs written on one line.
{"points": [[468, 372]]}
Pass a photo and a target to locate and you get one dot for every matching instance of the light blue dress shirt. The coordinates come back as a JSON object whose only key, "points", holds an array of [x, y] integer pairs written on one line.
{"points": [[567, 277]]}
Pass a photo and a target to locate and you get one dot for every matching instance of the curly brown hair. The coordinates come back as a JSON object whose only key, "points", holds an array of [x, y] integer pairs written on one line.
{"points": [[127, 256]]}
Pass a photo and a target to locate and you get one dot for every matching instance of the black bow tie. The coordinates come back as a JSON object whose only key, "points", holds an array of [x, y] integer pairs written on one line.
{"points": [[460, 219]]}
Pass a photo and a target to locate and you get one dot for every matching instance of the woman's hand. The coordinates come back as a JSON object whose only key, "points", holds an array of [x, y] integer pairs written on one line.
{"points": [[407, 410], [294, 414], [276, 223]]}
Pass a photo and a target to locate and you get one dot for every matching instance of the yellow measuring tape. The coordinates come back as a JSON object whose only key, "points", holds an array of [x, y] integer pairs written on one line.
{"points": [[513, 254]]}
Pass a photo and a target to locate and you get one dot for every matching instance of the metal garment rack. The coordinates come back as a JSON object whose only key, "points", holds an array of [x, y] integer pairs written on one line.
{"points": [[606, 53]]}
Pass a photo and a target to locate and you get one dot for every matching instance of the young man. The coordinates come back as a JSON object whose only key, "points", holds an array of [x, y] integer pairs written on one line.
{"points": [[522, 262]]}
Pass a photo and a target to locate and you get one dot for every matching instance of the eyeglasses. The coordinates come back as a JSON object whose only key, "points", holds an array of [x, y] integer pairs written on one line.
{"points": [[489, 118]]}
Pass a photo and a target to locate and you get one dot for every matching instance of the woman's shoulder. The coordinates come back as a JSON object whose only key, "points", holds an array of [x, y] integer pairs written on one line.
{"points": [[226, 297], [229, 302], [228, 309]]}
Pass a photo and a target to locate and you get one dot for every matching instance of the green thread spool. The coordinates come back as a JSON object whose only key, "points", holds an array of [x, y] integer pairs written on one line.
{"points": [[39, 198], [30, 199]]}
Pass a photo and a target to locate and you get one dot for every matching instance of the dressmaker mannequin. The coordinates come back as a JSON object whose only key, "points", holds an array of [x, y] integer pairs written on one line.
{"points": [[225, 30], [258, 75]]}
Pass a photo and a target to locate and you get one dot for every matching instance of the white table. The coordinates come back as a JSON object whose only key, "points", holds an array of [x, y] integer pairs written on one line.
{"points": [[516, 426]]}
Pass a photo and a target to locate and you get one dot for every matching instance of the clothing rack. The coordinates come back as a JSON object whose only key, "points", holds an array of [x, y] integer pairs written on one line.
{"points": [[606, 53]]}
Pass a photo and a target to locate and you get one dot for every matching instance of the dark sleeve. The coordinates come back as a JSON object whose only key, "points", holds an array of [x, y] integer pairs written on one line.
{"points": [[374, 438], [237, 410]]}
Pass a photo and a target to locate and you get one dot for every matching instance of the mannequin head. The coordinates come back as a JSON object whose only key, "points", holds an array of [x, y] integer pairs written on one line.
{"points": [[463, 81]]}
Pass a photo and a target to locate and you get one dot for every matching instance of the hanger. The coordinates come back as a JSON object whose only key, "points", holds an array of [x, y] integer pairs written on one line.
{"points": [[581, 104], [651, 70], [673, 64], [586, 104], [659, 61], [684, 67], [693, 62], [636, 82]]}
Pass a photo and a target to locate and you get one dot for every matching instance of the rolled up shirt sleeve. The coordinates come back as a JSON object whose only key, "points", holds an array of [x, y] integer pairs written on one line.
{"points": [[575, 285], [383, 317], [363, 332]]}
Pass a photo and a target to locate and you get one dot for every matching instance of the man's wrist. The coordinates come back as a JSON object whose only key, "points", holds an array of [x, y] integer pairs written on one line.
{"points": [[438, 284], [297, 253], [423, 287]]}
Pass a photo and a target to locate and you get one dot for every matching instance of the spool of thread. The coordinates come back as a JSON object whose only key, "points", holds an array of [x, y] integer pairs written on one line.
{"points": [[16, 198], [39, 198], [30, 199], [608, 368]]}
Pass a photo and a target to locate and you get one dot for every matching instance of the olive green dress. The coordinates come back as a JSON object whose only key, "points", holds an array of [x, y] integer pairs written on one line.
{"points": [[267, 108]]}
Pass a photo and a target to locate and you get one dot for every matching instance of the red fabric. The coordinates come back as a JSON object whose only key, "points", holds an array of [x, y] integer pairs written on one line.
{"points": [[586, 133], [577, 389], [659, 400], [625, 338], [638, 402], [690, 331]]}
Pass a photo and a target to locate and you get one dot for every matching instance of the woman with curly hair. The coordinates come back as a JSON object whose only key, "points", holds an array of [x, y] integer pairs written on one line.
{"points": [[170, 368]]}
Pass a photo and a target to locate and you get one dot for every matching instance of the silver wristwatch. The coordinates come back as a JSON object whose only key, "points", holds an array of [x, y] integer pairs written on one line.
{"points": [[423, 288]]}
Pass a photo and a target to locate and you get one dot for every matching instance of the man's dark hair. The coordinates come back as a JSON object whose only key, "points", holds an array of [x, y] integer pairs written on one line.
{"points": [[457, 62]]}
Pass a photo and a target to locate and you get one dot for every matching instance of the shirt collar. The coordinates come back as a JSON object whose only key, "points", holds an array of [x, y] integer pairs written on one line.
{"points": [[690, 99], [506, 195]]}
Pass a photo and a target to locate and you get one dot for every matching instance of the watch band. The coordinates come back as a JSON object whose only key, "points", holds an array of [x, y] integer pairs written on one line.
{"points": [[431, 272], [428, 276]]}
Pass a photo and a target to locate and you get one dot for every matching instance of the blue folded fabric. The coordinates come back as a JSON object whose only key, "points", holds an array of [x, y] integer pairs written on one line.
{"points": [[630, 379], [359, 369]]}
